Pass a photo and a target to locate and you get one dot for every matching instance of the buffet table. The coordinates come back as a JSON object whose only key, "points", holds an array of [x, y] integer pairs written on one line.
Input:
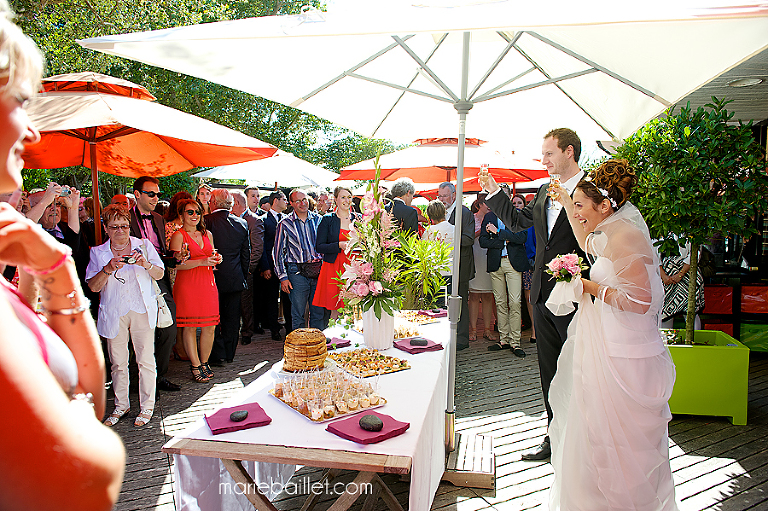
{"points": [[271, 453]]}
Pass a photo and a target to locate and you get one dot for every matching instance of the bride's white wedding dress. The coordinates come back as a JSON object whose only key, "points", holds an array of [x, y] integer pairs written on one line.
{"points": [[614, 377]]}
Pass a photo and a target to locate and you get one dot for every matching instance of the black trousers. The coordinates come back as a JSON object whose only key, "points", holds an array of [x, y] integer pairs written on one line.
{"points": [[462, 327], [269, 305], [551, 333], [228, 330], [165, 338]]}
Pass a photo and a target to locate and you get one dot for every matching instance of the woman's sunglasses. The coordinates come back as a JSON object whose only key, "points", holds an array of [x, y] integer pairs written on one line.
{"points": [[191, 212]]}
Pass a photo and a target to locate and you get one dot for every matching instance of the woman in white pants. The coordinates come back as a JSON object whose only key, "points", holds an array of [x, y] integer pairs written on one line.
{"points": [[122, 270]]}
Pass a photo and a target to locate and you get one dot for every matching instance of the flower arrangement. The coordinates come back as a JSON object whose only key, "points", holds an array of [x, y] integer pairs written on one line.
{"points": [[563, 268], [369, 280]]}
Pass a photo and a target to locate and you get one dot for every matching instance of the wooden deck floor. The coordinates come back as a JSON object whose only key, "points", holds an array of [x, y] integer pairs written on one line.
{"points": [[716, 465]]}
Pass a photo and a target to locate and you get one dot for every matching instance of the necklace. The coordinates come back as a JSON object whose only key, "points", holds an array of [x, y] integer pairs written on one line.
{"points": [[119, 249]]}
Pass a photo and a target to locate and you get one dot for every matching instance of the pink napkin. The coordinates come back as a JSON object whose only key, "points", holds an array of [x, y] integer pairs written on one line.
{"points": [[433, 314], [405, 345], [339, 342], [220, 422], [350, 428]]}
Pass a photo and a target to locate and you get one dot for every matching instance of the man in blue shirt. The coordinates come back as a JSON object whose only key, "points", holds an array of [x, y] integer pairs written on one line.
{"points": [[296, 259]]}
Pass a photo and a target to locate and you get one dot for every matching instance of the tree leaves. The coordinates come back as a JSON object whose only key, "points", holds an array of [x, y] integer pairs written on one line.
{"points": [[56, 25]]}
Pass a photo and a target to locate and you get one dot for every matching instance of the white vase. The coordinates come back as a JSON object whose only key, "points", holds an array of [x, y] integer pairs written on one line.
{"points": [[378, 333]]}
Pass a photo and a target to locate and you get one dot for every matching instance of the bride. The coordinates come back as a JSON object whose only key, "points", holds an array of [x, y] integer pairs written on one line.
{"points": [[614, 376]]}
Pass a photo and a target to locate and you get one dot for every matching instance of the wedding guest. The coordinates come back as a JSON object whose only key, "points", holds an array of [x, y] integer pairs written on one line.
{"points": [[675, 274], [150, 225], [233, 244], [297, 262], [51, 372], [480, 287], [121, 270], [560, 155], [446, 192], [332, 239], [530, 251], [173, 223], [324, 203], [121, 200], [277, 204], [439, 228], [203, 196], [195, 293], [506, 262], [264, 204], [241, 209], [402, 195]]}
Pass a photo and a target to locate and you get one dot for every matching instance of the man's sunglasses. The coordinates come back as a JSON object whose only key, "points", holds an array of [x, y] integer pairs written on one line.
{"points": [[150, 193], [191, 212]]}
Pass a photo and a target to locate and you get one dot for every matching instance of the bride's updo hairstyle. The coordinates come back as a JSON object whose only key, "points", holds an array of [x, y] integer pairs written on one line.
{"points": [[612, 180]]}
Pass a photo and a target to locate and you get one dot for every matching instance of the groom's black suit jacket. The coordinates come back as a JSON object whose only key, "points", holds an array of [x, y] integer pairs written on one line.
{"points": [[560, 242]]}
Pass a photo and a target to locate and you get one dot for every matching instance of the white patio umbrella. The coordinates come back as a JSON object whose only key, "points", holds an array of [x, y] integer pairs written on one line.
{"points": [[283, 168], [398, 70]]}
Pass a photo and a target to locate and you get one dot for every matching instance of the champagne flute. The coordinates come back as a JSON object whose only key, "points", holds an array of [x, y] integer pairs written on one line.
{"points": [[554, 180]]}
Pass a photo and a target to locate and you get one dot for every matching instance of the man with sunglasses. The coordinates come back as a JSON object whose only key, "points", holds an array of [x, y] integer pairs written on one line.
{"points": [[146, 224]]}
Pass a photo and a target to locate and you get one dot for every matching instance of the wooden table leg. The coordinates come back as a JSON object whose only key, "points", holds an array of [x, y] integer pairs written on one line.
{"points": [[329, 475], [347, 499], [241, 476]]}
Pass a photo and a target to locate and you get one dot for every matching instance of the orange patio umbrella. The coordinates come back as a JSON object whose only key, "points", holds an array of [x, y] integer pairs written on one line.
{"points": [[130, 137], [96, 82], [433, 160]]}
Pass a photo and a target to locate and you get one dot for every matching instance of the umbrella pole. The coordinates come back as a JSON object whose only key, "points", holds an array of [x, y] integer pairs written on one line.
{"points": [[454, 302], [95, 191]]}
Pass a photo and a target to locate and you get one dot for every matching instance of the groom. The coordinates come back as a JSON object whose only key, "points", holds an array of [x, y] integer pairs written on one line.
{"points": [[560, 154]]}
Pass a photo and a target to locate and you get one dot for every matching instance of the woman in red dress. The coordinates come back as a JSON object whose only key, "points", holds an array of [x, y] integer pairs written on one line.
{"points": [[332, 236], [195, 293]]}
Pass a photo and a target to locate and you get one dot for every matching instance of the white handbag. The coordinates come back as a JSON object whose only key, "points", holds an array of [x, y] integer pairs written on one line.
{"points": [[164, 316]]}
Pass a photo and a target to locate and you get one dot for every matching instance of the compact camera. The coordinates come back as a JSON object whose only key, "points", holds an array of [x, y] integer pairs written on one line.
{"points": [[129, 259], [65, 192]]}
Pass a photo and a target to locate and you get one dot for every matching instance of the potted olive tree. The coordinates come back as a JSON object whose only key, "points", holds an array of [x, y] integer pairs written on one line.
{"points": [[700, 173]]}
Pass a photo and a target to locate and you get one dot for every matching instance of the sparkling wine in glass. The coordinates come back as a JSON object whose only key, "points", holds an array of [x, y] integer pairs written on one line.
{"points": [[554, 180]]}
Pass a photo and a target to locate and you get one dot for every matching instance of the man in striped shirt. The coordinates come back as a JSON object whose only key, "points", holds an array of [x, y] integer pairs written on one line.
{"points": [[294, 255]]}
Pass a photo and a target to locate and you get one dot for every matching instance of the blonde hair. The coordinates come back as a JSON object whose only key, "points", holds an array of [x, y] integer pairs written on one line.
{"points": [[20, 60]]}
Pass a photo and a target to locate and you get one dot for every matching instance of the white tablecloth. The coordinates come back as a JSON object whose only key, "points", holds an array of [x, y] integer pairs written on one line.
{"points": [[417, 395]]}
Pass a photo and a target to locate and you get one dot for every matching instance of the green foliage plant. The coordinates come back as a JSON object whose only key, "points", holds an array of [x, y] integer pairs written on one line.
{"points": [[423, 263], [699, 173]]}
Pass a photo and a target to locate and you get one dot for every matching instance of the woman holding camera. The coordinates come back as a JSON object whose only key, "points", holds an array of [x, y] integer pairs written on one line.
{"points": [[122, 270]]}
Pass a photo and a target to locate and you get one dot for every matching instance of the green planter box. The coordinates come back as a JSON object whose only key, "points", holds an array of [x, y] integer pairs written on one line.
{"points": [[711, 379]]}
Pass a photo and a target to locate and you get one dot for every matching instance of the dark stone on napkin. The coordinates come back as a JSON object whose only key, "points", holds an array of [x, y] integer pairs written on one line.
{"points": [[239, 415], [419, 342], [221, 421], [371, 423], [407, 346], [350, 429]]}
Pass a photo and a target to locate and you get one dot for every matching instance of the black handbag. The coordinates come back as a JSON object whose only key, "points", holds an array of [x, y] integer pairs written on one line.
{"points": [[310, 270]]}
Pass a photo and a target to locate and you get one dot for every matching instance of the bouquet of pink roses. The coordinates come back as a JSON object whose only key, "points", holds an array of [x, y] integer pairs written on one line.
{"points": [[565, 267]]}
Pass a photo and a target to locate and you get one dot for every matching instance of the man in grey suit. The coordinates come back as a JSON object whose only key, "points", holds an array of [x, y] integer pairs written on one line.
{"points": [[256, 236], [560, 154], [230, 237], [446, 193]]}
